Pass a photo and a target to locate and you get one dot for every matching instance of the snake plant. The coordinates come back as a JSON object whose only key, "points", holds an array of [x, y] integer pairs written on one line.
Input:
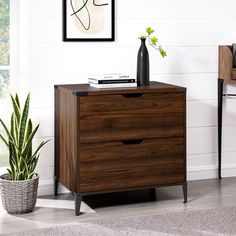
{"points": [[18, 139]]}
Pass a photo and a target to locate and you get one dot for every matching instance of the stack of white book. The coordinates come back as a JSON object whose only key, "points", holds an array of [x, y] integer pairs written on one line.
{"points": [[112, 81]]}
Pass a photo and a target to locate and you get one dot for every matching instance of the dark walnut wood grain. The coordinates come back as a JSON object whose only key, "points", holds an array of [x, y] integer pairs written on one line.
{"points": [[120, 165], [120, 139], [66, 139], [135, 126], [115, 117], [117, 105], [85, 89]]}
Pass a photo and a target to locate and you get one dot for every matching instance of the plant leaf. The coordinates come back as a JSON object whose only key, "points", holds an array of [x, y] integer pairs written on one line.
{"points": [[13, 170], [17, 100], [29, 131], [40, 146], [16, 108], [31, 175], [12, 131], [23, 122], [10, 173], [154, 40], [26, 169], [33, 166], [7, 132], [29, 142], [149, 30], [5, 128], [18, 177], [142, 37], [163, 52], [4, 140]]}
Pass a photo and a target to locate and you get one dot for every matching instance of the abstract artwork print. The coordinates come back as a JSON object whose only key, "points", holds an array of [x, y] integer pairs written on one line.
{"points": [[88, 20]]}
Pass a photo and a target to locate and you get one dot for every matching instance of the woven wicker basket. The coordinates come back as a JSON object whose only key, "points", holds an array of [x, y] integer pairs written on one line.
{"points": [[18, 196]]}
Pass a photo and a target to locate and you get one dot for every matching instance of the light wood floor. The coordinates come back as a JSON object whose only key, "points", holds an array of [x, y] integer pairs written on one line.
{"points": [[50, 210]]}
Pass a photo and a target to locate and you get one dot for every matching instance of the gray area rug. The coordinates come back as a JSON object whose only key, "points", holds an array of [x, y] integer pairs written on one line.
{"points": [[216, 221]]}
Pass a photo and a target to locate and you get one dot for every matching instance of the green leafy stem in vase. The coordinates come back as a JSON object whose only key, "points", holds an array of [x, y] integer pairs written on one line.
{"points": [[153, 40]]}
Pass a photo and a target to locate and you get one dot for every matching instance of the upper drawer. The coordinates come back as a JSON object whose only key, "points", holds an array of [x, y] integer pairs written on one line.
{"points": [[132, 103], [126, 127]]}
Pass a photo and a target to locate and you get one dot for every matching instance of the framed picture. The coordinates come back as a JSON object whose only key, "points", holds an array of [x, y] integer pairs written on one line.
{"points": [[88, 20]]}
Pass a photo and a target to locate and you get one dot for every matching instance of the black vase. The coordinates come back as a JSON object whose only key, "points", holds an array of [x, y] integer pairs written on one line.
{"points": [[143, 65]]}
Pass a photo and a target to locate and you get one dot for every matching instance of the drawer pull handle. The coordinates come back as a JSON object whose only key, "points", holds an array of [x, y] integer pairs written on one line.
{"points": [[132, 95], [136, 141]]}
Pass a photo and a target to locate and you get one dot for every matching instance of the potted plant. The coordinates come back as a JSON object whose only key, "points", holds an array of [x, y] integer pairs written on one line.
{"points": [[19, 186]]}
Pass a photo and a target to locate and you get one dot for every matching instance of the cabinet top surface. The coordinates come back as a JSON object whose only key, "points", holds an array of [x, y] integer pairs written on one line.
{"points": [[86, 89]]}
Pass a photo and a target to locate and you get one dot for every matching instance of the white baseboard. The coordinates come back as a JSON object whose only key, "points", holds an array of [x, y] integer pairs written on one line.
{"points": [[210, 172], [46, 187]]}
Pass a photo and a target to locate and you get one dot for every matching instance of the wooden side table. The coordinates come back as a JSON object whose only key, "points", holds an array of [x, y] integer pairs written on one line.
{"points": [[119, 139]]}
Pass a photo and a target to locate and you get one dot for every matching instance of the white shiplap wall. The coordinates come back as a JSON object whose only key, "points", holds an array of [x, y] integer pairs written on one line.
{"points": [[190, 31]]}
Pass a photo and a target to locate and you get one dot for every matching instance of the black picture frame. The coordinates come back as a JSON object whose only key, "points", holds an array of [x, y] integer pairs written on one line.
{"points": [[74, 30]]}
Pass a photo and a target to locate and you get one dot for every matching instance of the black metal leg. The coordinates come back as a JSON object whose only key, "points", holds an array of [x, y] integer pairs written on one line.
{"points": [[185, 191], [153, 194], [220, 99], [78, 199], [55, 186]]}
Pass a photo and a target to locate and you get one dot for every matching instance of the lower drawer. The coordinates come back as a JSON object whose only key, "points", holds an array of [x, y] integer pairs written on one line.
{"points": [[131, 164]]}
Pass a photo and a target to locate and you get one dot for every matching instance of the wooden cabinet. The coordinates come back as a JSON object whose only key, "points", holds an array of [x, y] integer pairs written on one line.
{"points": [[119, 139]]}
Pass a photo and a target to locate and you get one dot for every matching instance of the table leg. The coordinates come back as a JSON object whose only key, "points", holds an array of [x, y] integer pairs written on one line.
{"points": [[55, 186], [220, 103], [78, 199], [185, 191]]}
